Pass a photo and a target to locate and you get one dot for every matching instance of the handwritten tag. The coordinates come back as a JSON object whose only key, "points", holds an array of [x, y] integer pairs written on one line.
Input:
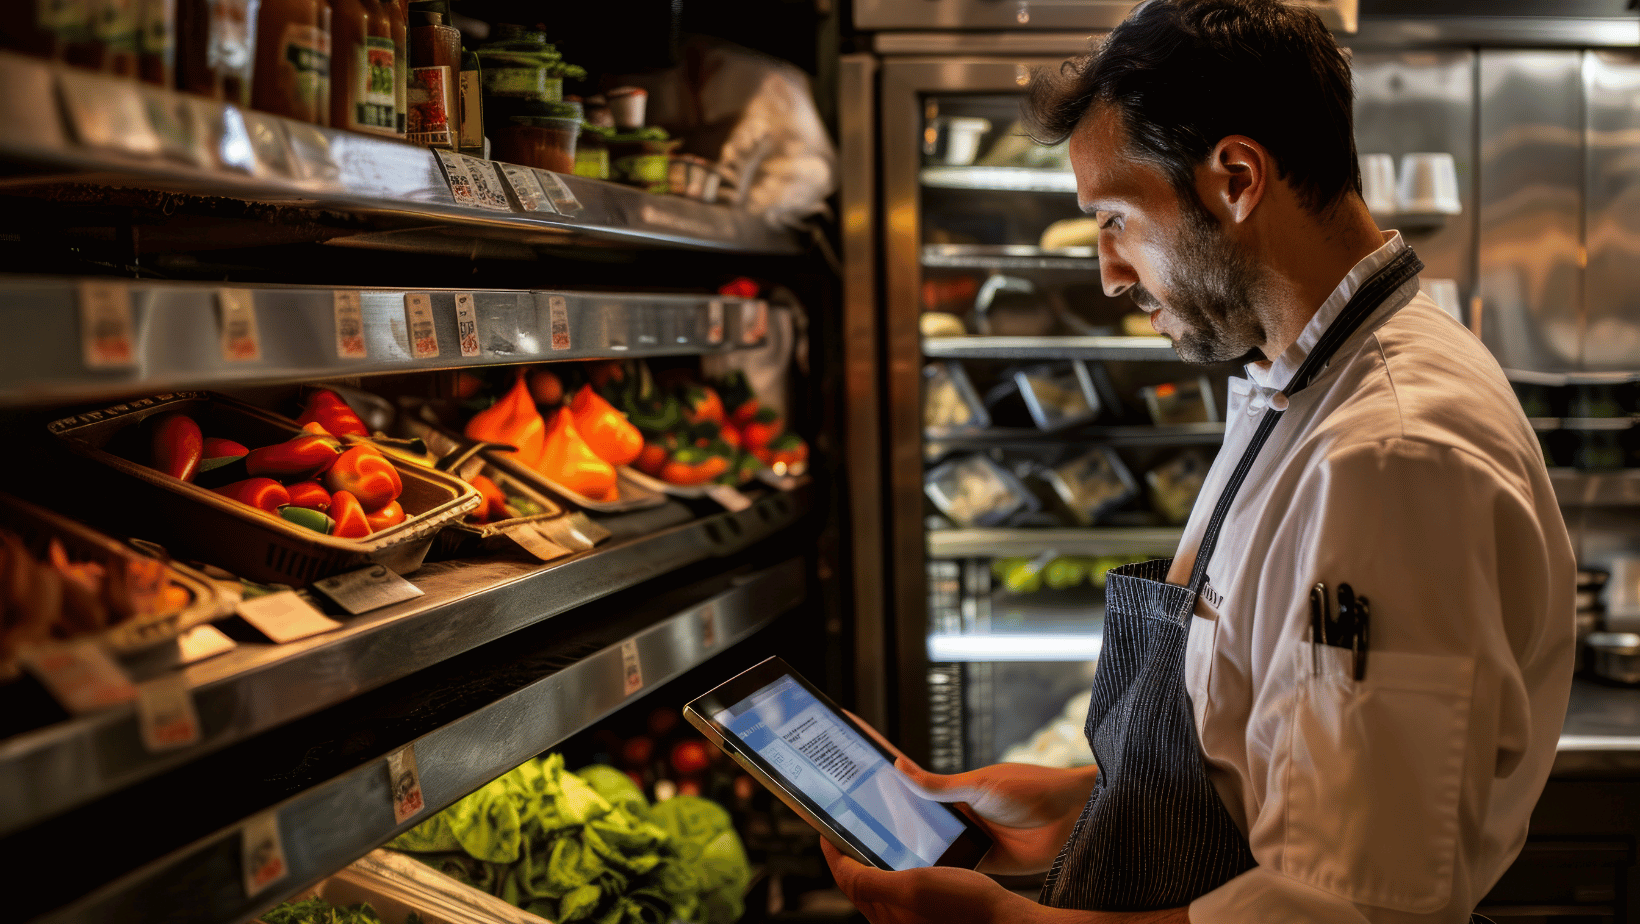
{"points": [[241, 342], [418, 313], [349, 325], [534, 541], [558, 321], [467, 323], [457, 175], [107, 332], [708, 626], [165, 713], [81, 676], [754, 321], [202, 642], [729, 496], [631, 669], [714, 321], [285, 617], [369, 588], [562, 199], [488, 189], [527, 188], [404, 782], [261, 853]]}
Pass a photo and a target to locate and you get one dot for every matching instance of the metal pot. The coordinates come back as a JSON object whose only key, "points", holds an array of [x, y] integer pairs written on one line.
{"points": [[1616, 656]]}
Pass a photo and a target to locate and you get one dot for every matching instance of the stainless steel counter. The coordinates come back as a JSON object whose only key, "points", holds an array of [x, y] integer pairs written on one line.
{"points": [[1602, 732]]}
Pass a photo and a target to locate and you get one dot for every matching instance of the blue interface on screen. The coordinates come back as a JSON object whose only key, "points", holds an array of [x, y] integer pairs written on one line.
{"points": [[833, 765]]}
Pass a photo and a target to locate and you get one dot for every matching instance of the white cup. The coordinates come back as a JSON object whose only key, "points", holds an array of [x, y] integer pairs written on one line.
{"points": [[962, 134], [1378, 183], [1429, 184], [1445, 294]]}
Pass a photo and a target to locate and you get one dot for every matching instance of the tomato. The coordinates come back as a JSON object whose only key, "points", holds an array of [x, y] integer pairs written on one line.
{"points": [[690, 757]]}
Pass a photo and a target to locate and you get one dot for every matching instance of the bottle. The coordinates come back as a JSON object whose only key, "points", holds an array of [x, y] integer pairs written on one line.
{"points": [[293, 60], [435, 67], [115, 25], [362, 62], [398, 16], [156, 43], [470, 137], [215, 48]]}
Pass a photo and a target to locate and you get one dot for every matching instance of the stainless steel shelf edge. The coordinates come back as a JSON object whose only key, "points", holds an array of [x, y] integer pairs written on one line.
{"points": [[1576, 488], [1008, 179], [177, 333], [257, 687], [1011, 257], [938, 443], [1116, 349], [988, 543], [119, 133], [333, 824]]}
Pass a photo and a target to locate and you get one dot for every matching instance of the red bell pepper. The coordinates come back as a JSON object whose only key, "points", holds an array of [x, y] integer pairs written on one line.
{"points": [[219, 448], [651, 460], [328, 410], [310, 495], [351, 521], [691, 467], [763, 428], [702, 404], [296, 459], [367, 475], [391, 515], [787, 454], [264, 494], [177, 446]]}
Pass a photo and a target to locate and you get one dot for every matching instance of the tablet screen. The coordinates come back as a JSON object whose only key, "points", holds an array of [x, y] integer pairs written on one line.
{"points": [[846, 776]]}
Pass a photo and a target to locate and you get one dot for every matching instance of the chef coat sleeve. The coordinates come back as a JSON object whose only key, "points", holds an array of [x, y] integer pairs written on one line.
{"points": [[1403, 796]]}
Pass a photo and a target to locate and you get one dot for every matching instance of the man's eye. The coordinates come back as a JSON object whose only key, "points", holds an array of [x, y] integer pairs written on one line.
{"points": [[1110, 222]]}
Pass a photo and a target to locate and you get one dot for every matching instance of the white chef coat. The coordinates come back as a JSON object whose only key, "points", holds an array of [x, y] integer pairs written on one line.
{"points": [[1407, 470]]}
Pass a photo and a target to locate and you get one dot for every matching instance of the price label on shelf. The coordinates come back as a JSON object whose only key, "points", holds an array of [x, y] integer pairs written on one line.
{"points": [[534, 541], [574, 531], [729, 496], [714, 321], [754, 321], [467, 323], [349, 325], [631, 668], [107, 331], [108, 113], [418, 316], [562, 199], [262, 853], [285, 617], [165, 713], [558, 321], [241, 342], [708, 626], [528, 189], [489, 192], [202, 642], [404, 782], [81, 676], [369, 588], [457, 175]]}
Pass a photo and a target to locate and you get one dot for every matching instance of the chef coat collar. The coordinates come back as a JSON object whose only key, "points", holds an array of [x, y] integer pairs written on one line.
{"points": [[1281, 370]]}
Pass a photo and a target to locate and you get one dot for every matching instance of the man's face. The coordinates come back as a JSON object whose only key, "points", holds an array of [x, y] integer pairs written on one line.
{"points": [[1176, 263]]}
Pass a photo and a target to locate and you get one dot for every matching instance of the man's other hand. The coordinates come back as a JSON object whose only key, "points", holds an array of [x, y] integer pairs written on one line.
{"points": [[1028, 810]]}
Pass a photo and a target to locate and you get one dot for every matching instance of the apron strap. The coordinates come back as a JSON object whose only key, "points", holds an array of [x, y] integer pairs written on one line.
{"points": [[1404, 267]]}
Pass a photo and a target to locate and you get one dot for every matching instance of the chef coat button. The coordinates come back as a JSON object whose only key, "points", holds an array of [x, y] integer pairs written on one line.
{"points": [[1278, 401], [1254, 407]]}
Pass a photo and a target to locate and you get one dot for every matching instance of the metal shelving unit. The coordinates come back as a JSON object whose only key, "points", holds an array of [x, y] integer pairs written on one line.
{"points": [[989, 543], [939, 443], [1115, 349], [1004, 179], [1008, 257], [1576, 488]]}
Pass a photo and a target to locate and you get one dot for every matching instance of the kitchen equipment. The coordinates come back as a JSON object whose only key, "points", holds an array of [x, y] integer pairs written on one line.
{"points": [[1187, 402], [1615, 656], [1378, 183], [1623, 595], [1429, 184], [961, 135]]}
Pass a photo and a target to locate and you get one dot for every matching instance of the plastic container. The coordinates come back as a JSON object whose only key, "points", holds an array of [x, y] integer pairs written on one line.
{"points": [[1092, 484], [1188, 402], [694, 177], [950, 404], [1174, 486], [547, 142], [196, 523], [1058, 395], [976, 491], [627, 106]]}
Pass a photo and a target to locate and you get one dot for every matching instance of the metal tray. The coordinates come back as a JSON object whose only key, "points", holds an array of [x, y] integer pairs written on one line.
{"points": [[197, 523]]}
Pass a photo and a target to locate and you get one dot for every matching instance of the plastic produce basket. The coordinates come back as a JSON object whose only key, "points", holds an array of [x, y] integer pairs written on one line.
{"points": [[196, 523]]}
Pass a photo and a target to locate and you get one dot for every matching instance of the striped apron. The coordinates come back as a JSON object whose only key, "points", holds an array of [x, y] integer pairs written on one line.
{"points": [[1154, 833]]}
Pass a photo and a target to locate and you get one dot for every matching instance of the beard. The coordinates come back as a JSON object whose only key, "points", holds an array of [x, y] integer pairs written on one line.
{"points": [[1212, 290]]}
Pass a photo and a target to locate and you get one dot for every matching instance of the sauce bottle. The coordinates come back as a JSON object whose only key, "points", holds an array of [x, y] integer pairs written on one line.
{"points": [[398, 15], [362, 63], [470, 136], [293, 60], [215, 40], [435, 67]]}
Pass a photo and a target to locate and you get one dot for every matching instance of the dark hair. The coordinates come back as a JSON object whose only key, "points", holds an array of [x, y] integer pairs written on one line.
{"points": [[1183, 74]]}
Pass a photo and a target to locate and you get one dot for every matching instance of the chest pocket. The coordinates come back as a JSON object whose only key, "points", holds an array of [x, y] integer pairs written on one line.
{"points": [[1364, 764]]}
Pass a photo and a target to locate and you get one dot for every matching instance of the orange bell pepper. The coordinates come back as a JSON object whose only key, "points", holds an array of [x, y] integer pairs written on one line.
{"points": [[390, 515], [328, 410], [702, 404], [605, 429], [351, 522], [692, 467], [177, 445], [366, 474], [787, 454], [512, 420], [495, 501], [309, 494], [264, 494], [569, 461]]}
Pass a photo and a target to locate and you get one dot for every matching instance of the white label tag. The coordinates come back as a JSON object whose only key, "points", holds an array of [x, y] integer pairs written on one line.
{"points": [[369, 588], [558, 321], [106, 328], [631, 669], [527, 188], [574, 532], [467, 323], [202, 642], [729, 496], [754, 321], [460, 180], [708, 626], [285, 617], [240, 340], [404, 782], [349, 325], [418, 314], [534, 541], [108, 113], [82, 677], [166, 714], [261, 853], [714, 321], [488, 189], [562, 199]]}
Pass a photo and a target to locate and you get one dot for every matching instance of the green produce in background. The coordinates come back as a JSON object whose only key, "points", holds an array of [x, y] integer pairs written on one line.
{"points": [[1064, 571], [319, 911], [1023, 577], [706, 840], [1001, 566]]}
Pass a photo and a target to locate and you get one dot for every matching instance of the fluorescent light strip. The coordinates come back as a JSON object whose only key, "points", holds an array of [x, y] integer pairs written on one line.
{"points": [[1021, 647]]}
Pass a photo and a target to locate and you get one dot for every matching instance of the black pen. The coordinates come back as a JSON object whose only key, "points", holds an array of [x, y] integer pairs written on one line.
{"points": [[1318, 625], [1363, 621]]}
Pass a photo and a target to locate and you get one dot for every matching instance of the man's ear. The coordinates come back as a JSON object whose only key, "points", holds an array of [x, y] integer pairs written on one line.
{"points": [[1236, 176]]}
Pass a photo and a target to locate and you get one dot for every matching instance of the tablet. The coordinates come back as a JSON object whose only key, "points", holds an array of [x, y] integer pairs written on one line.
{"points": [[795, 741]]}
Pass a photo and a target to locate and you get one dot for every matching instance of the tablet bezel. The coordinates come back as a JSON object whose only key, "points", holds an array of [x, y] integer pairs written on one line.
{"points": [[966, 851]]}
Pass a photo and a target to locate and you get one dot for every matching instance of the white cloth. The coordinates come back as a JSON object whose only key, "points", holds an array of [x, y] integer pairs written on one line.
{"points": [[1408, 471]]}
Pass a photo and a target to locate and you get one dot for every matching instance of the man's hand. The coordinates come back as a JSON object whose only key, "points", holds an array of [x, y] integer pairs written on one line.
{"points": [[1028, 810]]}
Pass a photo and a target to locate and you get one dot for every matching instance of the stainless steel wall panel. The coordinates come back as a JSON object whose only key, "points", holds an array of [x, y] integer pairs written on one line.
{"points": [[1612, 212], [1424, 101], [1529, 268]]}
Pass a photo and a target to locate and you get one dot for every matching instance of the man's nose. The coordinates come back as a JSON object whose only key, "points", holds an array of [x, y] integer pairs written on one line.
{"points": [[1115, 274]]}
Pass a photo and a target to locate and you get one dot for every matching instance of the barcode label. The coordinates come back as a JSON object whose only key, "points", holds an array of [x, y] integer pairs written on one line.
{"points": [[631, 668], [714, 321], [467, 323], [165, 713], [262, 853], [418, 313], [488, 191], [460, 180], [349, 325], [528, 189], [240, 340], [107, 332], [404, 780], [558, 321]]}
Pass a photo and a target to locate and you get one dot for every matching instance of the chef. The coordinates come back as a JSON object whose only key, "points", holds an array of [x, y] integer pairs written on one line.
{"points": [[1340, 700]]}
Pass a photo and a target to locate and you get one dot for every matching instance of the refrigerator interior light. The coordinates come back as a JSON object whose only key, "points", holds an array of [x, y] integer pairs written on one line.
{"points": [[1023, 646]]}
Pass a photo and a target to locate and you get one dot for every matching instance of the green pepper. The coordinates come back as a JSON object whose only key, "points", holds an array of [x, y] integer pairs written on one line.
{"points": [[306, 516]]}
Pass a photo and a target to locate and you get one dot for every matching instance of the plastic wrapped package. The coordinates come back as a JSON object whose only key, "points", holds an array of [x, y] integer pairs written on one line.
{"points": [[1059, 743], [1175, 484], [949, 401], [975, 491], [1185, 402], [1058, 395], [1092, 484]]}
